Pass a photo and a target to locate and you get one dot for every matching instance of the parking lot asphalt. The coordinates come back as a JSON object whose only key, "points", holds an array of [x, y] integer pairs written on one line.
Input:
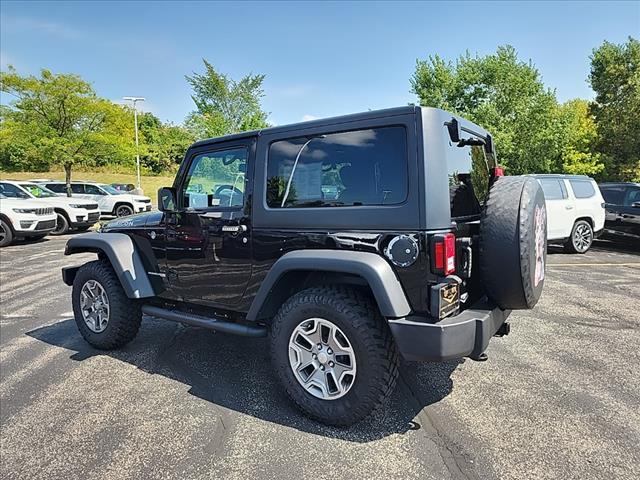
{"points": [[558, 398]]}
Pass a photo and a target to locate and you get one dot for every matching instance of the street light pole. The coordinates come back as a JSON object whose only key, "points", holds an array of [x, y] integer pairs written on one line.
{"points": [[134, 101]]}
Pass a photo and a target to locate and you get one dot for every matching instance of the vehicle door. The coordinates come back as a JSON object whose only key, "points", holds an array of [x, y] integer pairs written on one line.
{"points": [[208, 238], [560, 217], [629, 213], [614, 198], [95, 193]]}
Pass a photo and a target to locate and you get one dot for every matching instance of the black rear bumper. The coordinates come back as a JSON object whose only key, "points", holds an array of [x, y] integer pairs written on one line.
{"points": [[464, 335]]}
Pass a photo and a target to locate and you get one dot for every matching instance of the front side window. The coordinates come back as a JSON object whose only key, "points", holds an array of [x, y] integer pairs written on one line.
{"points": [[216, 179], [11, 191], [92, 190], [633, 196], [356, 168], [582, 188], [553, 188]]}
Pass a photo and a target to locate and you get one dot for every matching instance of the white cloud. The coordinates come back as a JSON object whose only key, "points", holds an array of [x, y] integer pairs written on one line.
{"points": [[308, 118], [22, 24]]}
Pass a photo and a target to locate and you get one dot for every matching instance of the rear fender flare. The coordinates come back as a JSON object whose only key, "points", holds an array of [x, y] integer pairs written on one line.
{"points": [[123, 255], [371, 267]]}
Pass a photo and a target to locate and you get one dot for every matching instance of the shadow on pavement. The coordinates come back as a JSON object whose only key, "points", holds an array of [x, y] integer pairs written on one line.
{"points": [[235, 373]]}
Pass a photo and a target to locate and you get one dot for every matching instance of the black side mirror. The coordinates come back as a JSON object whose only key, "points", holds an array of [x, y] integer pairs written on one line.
{"points": [[167, 199]]}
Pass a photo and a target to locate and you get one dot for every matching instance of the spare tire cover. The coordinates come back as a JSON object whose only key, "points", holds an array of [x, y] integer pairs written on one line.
{"points": [[513, 242]]}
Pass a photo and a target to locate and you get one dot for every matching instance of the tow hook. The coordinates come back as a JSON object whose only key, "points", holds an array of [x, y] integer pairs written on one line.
{"points": [[504, 329]]}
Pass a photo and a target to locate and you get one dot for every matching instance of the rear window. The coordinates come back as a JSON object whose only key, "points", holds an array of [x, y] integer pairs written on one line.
{"points": [[553, 188], [360, 167], [613, 195], [582, 188], [56, 187]]}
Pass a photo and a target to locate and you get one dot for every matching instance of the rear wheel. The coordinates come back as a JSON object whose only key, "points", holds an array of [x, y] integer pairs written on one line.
{"points": [[581, 237], [6, 234], [62, 224], [105, 316], [334, 354], [123, 210]]}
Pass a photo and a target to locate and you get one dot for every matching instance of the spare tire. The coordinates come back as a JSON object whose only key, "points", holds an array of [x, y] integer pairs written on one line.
{"points": [[513, 243]]}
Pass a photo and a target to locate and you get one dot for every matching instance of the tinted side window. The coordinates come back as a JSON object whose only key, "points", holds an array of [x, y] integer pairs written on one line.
{"points": [[89, 189], [11, 191], [633, 196], [553, 188], [56, 187], [613, 195], [582, 188], [361, 167], [77, 188]]}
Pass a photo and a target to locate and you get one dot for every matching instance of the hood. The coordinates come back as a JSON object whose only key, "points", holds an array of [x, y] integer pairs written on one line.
{"points": [[133, 221], [66, 201], [139, 198], [23, 203]]}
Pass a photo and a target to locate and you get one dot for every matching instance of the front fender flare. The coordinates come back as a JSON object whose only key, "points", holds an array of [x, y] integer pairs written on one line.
{"points": [[378, 274], [124, 258]]}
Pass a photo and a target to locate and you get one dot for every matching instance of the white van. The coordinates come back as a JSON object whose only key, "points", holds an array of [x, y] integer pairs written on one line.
{"points": [[575, 210]]}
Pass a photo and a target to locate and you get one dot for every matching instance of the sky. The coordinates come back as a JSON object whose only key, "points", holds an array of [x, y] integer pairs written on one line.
{"points": [[320, 59]]}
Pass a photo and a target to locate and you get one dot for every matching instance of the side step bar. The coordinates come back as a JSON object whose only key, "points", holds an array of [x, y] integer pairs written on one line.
{"points": [[210, 323]]}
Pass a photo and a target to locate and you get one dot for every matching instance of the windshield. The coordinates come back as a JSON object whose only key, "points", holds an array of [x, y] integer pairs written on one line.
{"points": [[109, 189], [38, 191]]}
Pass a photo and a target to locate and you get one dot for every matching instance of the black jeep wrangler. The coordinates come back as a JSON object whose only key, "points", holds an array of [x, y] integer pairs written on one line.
{"points": [[347, 241]]}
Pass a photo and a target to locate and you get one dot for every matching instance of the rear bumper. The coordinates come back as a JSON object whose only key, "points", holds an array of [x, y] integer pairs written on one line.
{"points": [[464, 335]]}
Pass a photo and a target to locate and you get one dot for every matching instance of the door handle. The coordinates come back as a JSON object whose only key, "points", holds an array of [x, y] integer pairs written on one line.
{"points": [[568, 207], [234, 228]]}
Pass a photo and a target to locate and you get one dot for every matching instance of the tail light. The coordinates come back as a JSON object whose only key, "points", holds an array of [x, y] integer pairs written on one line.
{"points": [[443, 253]]}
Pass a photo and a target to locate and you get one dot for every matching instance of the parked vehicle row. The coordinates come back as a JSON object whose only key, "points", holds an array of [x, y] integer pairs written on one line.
{"points": [[29, 209]]}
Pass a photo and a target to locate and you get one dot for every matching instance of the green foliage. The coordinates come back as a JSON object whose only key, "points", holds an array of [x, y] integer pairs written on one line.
{"points": [[59, 120], [502, 94], [615, 77], [162, 146], [224, 105], [577, 147]]}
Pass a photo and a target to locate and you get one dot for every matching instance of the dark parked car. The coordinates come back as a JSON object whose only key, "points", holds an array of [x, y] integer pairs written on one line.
{"points": [[622, 205], [348, 241]]}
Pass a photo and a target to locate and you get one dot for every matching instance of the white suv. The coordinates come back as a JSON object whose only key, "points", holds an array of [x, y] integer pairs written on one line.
{"points": [[575, 210], [111, 201], [72, 213], [24, 217]]}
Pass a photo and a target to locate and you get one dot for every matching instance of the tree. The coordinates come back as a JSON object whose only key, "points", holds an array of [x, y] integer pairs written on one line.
{"points": [[580, 135], [502, 94], [615, 78], [224, 105], [162, 145], [58, 117]]}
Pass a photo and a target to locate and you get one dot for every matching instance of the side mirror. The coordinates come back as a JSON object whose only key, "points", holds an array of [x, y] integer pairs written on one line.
{"points": [[635, 204], [167, 199]]}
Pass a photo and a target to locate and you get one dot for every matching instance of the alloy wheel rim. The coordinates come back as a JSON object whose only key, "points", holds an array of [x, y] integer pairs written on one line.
{"points": [[123, 212], [322, 359], [3, 233], [59, 224], [94, 305], [582, 238]]}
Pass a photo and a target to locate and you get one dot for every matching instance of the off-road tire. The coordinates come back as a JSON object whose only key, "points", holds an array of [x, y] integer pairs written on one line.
{"points": [[62, 224], [374, 348], [7, 236], [124, 315], [570, 245], [513, 243], [123, 210]]}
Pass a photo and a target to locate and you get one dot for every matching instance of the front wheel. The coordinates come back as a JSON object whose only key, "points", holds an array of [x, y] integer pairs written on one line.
{"points": [[334, 354], [105, 316], [62, 225], [124, 211], [6, 234], [581, 237]]}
